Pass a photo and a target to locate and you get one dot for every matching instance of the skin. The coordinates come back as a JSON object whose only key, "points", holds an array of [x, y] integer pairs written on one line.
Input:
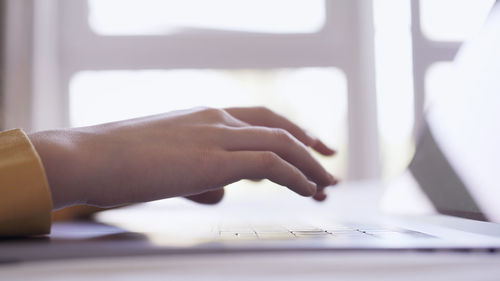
{"points": [[192, 153]]}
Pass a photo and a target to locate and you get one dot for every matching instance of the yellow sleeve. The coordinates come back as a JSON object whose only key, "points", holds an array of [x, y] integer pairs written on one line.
{"points": [[25, 199]]}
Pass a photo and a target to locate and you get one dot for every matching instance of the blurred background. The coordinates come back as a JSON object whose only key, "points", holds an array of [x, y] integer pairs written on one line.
{"points": [[357, 73]]}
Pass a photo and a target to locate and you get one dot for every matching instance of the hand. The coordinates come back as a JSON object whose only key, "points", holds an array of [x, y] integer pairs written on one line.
{"points": [[192, 153]]}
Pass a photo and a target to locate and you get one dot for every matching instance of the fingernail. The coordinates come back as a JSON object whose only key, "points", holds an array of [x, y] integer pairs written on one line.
{"points": [[312, 188], [335, 182]]}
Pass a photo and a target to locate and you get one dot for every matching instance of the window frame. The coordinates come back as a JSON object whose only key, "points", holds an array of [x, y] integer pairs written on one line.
{"points": [[425, 52]]}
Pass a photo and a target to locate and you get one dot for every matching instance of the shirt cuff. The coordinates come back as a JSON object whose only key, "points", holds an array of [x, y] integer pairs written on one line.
{"points": [[25, 199]]}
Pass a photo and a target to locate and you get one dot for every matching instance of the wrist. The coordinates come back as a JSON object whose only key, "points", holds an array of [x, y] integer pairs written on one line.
{"points": [[56, 153]]}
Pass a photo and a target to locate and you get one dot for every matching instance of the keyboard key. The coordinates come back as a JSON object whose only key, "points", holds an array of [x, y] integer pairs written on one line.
{"points": [[358, 235], [392, 235], [302, 227], [270, 228], [403, 234], [310, 232], [303, 234], [344, 231], [236, 228], [226, 235], [275, 235]]}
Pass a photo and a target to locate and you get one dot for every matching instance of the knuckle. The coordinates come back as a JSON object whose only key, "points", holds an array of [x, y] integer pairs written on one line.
{"points": [[268, 159], [283, 136], [202, 109], [214, 114]]}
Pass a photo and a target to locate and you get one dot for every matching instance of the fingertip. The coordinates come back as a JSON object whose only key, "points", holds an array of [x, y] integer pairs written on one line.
{"points": [[331, 151], [320, 193], [320, 197], [322, 148], [333, 180]]}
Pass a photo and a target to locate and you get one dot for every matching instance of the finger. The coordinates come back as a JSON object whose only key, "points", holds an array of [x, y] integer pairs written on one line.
{"points": [[322, 148], [268, 165], [208, 197], [261, 116], [280, 142], [320, 194]]}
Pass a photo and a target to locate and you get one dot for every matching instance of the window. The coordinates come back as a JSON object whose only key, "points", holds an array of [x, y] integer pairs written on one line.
{"points": [[412, 51], [394, 84], [430, 33], [453, 20], [251, 52], [160, 17], [142, 59], [444, 21]]}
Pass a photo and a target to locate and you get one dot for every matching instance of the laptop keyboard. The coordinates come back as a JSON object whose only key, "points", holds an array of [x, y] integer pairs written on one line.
{"points": [[286, 232]]}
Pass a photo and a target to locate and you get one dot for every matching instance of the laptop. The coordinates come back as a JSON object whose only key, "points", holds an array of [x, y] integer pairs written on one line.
{"points": [[455, 168]]}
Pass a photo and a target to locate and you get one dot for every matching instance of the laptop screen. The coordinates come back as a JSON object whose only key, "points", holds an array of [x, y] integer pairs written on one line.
{"points": [[457, 162]]}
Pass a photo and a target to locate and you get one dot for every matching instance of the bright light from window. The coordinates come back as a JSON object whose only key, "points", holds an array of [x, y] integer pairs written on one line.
{"points": [[395, 105], [154, 17], [453, 20], [394, 69]]}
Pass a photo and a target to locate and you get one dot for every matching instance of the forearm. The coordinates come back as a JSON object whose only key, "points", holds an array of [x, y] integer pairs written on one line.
{"points": [[59, 160]]}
